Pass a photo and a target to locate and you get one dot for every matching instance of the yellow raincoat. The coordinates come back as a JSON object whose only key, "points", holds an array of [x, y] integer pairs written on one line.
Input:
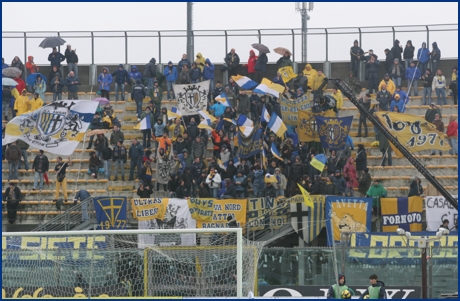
{"points": [[200, 60], [310, 73], [21, 105]]}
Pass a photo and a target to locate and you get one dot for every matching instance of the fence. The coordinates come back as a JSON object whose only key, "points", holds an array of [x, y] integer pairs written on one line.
{"points": [[138, 47]]}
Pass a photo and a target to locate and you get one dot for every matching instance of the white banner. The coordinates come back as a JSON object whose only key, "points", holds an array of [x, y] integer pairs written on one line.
{"points": [[192, 98], [177, 217], [56, 128], [438, 209]]}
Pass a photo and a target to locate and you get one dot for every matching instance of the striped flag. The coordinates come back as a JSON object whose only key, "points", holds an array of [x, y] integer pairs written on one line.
{"points": [[307, 221], [244, 82], [277, 125], [207, 116], [246, 130], [222, 98], [221, 165], [268, 87], [174, 113], [205, 124], [144, 124], [265, 116], [230, 120], [244, 121], [264, 159], [318, 162], [275, 152]]}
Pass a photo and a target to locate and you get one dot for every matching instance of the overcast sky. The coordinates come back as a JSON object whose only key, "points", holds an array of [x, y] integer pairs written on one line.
{"points": [[219, 16]]}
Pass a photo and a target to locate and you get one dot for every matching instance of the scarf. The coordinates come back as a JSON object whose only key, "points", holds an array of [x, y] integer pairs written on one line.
{"points": [[148, 173], [177, 130]]}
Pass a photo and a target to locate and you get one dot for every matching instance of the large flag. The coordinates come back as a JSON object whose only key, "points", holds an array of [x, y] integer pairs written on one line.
{"points": [[287, 73], [174, 113], [333, 132], [110, 212], [405, 213], [205, 124], [306, 197], [347, 215], [413, 132], [165, 166], [192, 98], [267, 212], [222, 98], [244, 82], [318, 162], [277, 125], [244, 121], [207, 116], [249, 146], [56, 128], [246, 130], [307, 128], [265, 116], [269, 87], [146, 209], [275, 152], [438, 209], [291, 108], [144, 124], [307, 221]]}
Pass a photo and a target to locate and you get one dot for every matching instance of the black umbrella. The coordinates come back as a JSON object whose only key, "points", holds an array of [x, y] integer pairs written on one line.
{"points": [[52, 42], [261, 47], [11, 72]]}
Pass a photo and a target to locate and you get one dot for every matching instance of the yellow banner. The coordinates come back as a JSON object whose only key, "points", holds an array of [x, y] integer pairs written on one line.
{"points": [[290, 108], [287, 73], [223, 209], [147, 209], [307, 128], [261, 211], [201, 209], [413, 132]]}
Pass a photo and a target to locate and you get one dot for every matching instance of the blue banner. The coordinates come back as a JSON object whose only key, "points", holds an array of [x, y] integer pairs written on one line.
{"points": [[383, 247], [333, 132], [250, 146], [345, 214], [110, 212]]}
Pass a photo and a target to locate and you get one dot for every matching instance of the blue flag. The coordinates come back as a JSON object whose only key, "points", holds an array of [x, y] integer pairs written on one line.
{"points": [[110, 212], [333, 132], [249, 146]]}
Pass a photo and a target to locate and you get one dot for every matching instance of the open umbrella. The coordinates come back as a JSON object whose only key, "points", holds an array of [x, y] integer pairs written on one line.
{"points": [[51, 42], [282, 50], [12, 72], [261, 47], [30, 79], [8, 82], [102, 100]]}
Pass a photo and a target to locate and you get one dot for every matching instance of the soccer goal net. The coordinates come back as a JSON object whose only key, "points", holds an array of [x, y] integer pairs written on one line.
{"points": [[129, 263]]}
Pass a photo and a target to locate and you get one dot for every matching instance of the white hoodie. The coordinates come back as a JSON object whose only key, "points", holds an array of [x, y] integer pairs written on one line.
{"points": [[438, 82], [216, 180]]}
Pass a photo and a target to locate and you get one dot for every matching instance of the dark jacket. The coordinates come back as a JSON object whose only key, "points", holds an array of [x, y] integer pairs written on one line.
{"points": [[236, 61], [181, 192], [331, 189], [330, 292], [435, 53], [136, 151], [45, 163], [427, 80], [138, 93], [94, 162], [17, 193], [297, 171], [72, 87], [332, 164], [384, 99], [393, 69], [96, 123], [409, 51], [261, 63], [119, 153], [243, 104], [195, 73], [415, 189], [364, 183], [340, 183], [389, 60], [144, 194], [319, 187], [430, 114], [71, 56], [150, 69], [254, 100], [356, 50], [231, 191], [361, 160], [396, 50], [183, 62], [270, 191], [57, 59], [122, 75], [57, 87]]}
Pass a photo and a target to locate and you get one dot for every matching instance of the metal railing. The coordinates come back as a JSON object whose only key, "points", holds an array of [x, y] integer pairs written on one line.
{"points": [[323, 42], [70, 218]]}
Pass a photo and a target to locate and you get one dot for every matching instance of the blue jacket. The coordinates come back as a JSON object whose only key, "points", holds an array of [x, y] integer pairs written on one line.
{"points": [[218, 109], [159, 129], [135, 74], [399, 104], [410, 73], [259, 180], [208, 72], [136, 151], [183, 62], [403, 96], [103, 80], [350, 142], [261, 63], [4, 66], [58, 58], [170, 77], [277, 80], [82, 195], [122, 75], [422, 54], [195, 73], [72, 87]]}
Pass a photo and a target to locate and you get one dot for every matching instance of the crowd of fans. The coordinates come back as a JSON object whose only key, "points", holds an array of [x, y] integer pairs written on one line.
{"points": [[226, 175]]}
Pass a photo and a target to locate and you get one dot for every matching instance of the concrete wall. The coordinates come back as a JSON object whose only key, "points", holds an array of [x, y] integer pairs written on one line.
{"points": [[339, 70]]}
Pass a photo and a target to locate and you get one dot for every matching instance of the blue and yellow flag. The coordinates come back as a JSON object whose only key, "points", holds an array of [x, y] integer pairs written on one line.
{"points": [[307, 221], [110, 212], [405, 213], [333, 132], [250, 145], [318, 162]]}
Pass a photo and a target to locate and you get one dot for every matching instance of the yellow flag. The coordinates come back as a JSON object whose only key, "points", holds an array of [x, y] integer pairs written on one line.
{"points": [[272, 85], [413, 132], [287, 73], [306, 197]]}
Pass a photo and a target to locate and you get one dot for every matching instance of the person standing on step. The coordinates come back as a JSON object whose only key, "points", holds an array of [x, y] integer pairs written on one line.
{"points": [[24, 147], [156, 95], [122, 79], [94, 164], [105, 79], [170, 73], [81, 196], [233, 61], [40, 165], [135, 155], [413, 74], [435, 56], [138, 94], [452, 135], [96, 124], [61, 180], [364, 182], [56, 58], [119, 159], [356, 54], [439, 86], [116, 136], [376, 290], [147, 133], [72, 86], [72, 59], [430, 114], [12, 196], [439, 127], [101, 141], [13, 155], [384, 98], [366, 103], [408, 54], [376, 191]]}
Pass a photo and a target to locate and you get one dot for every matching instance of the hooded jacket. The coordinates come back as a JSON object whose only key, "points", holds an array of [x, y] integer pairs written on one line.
{"points": [[213, 180], [413, 72], [356, 51], [200, 61], [121, 76], [435, 53], [244, 104], [349, 172], [170, 77], [415, 188], [150, 69], [422, 54], [364, 183], [21, 105], [340, 183], [261, 63], [258, 182], [251, 62], [208, 72], [361, 159], [57, 59], [390, 86], [396, 50], [243, 180], [409, 50], [310, 73], [105, 80], [21, 84], [30, 65], [452, 128], [138, 92], [36, 104], [134, 74], [376, 191]]}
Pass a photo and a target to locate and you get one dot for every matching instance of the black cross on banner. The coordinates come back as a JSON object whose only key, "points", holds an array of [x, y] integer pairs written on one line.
{"points": [[299, 218]]}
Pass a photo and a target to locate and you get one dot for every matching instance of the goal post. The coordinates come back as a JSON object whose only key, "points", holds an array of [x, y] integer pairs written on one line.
{"points": [[130, 263]]}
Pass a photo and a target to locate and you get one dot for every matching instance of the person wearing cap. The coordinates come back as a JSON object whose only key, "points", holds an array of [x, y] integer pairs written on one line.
{"points": [[121, 79], [21, 105], [413, 74], [376, 191], [397, 50], [452, 134], [356, 54], [72, 59], [56, 58], [397, 72], [431, 112], [366, 103], [12, 197], [170, 73], [372, 72], [439, 86], [397, 103]]}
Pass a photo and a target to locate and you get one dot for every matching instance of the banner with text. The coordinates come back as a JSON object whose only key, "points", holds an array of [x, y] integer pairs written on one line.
{"points": [[262, 213], [405, 213], [223, 209], [438, 209], [110, 212], [290, 108], [146, 209], [201, 209]]}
